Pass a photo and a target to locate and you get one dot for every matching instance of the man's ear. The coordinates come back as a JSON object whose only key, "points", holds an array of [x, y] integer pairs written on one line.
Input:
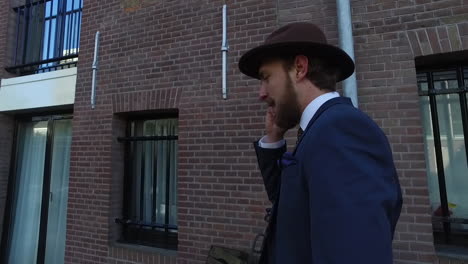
{"points": [[301, 66]]}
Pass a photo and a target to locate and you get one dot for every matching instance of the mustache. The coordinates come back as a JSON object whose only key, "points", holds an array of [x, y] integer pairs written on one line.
{"points": [[270, 102]]}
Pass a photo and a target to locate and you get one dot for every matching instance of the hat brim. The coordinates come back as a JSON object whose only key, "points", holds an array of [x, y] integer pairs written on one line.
{"points": [[251, 61]]}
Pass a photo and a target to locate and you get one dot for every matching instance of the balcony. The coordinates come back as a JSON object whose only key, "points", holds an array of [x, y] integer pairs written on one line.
{"points": [[47, 36], [46, 40]]}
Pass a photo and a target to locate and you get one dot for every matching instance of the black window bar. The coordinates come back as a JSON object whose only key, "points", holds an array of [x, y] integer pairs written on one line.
{"points": [[135, 229], [447, 236], [47, 36]]}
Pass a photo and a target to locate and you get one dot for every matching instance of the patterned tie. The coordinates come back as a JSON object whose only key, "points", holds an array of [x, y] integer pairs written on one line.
{"points": [[299, 134]]}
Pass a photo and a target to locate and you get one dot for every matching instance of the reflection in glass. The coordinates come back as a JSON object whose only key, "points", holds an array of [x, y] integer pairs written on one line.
{"points": [[449, 118], [465, 76], [422, 82], [431, 163], [58, 196], [445, 80]]}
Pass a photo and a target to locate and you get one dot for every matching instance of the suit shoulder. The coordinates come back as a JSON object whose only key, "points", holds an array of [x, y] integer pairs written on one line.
{"points": [[345, 118], [345, 112]]}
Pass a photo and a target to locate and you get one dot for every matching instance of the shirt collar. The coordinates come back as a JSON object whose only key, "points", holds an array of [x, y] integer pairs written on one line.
{"points": [[313, 106]]}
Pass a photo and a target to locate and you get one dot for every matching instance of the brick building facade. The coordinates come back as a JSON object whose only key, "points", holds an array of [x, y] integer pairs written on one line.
{"points": [[157, 57]]}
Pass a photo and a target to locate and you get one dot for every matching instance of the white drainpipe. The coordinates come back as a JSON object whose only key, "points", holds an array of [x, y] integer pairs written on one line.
{"points": [[95, 69], [345, 33], [224, 50]]}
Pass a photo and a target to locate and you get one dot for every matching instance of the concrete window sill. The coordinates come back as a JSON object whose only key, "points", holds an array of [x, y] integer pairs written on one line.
{"points": [[452, 252], [145, 249]]}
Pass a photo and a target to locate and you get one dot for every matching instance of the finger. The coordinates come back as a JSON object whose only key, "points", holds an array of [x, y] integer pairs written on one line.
{"points": [[271, 111]]}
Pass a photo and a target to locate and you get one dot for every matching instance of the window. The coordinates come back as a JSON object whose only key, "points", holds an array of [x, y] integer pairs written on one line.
{"points": [[36, 209], [150, 200], [47, 36], [443, 101]]}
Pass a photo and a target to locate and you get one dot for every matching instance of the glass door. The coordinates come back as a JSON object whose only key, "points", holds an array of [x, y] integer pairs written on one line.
{"points": [[58, 195], [28, 185], [35, 224]]}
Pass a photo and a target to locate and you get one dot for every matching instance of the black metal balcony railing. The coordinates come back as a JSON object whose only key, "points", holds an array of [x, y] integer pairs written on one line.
{"points": [[47, 36]]}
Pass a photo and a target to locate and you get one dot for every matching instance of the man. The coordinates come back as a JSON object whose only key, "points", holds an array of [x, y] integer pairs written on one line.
{"points": [[336, 198]]}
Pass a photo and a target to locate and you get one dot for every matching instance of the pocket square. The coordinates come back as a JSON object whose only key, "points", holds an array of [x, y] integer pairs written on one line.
{"points": [[287, 160]]}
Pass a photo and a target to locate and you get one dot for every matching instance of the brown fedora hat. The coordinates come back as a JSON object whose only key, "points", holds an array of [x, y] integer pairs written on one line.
{"points": [[297, 39]]}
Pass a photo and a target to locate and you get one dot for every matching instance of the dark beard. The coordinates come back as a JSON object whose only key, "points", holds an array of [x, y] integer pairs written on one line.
{"points": [[288, 113]]}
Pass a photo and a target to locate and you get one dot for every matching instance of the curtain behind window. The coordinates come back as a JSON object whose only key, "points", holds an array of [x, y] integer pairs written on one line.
{"points": [[26, 207], [153, 164]]}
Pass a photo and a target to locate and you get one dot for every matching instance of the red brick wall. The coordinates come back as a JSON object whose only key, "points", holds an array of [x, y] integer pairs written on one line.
{"points": [[6, 122], [158, 55], [166, 54], [3, 35], [8, 35], [321, 13]]}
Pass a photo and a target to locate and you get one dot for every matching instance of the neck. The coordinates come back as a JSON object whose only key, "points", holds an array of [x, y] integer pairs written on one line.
{"points": [[308, 94]]}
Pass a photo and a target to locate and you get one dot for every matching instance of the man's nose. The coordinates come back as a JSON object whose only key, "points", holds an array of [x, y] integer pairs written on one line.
{"points": [[263, 92]]}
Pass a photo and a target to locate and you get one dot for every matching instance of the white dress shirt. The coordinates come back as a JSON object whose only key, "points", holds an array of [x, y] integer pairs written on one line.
{"points": [[307, 115]]}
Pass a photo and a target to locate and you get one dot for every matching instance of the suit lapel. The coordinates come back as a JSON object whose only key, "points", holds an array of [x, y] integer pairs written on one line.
{"points": [[320, 111]]}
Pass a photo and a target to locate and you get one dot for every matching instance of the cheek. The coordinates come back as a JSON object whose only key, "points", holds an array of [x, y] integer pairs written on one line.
{"points": [[276, 91], [281, 95]]}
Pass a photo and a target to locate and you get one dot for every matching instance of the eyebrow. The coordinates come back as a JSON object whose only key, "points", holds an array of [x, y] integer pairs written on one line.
{"points": [[261, 74]]}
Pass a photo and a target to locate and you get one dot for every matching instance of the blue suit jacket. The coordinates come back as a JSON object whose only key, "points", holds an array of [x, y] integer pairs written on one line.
{"points": [[336, 198]]}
